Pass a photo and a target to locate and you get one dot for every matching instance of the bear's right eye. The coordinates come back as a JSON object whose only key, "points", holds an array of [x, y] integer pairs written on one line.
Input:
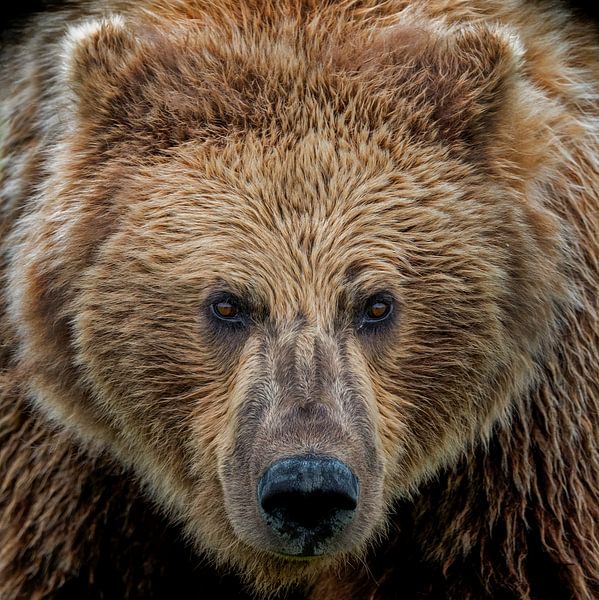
{"points": [[226, 310]]}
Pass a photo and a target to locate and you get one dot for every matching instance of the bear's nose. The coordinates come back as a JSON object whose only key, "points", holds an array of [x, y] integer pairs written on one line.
{"points": [[307, 501]]}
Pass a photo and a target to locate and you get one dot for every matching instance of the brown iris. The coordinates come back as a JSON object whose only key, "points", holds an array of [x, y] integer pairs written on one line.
{"points": [[225, 310], [378, 309]]}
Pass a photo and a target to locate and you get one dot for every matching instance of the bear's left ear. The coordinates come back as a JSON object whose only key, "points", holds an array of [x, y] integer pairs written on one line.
{"points": [[469, 80], [448, 83]]}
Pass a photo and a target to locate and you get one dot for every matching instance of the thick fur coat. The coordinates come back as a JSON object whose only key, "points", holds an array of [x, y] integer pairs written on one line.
{"points": [[299, 163]]}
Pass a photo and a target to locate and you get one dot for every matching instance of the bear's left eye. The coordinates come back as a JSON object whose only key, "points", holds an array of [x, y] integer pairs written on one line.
{"points": [[376, 310]]}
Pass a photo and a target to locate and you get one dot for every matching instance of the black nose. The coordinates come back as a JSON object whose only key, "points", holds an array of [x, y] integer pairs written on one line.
{"points": [[307, 501]]}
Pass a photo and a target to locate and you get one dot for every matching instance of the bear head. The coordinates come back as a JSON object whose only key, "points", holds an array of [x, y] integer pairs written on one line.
{"points": [[285, 272]]}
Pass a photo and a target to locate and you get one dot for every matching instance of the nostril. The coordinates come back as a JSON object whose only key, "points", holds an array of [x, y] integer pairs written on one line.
{"points": [[308, 499], [307, 510]]}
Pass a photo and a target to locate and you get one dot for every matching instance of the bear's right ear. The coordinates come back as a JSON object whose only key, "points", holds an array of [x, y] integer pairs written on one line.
{"points": [[98, 57], [138, 87], [126, 86]]}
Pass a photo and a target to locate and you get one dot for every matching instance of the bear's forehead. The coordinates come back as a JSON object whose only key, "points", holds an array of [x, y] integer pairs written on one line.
{"points": [[311, 206], [311, 193], [297, 227]]}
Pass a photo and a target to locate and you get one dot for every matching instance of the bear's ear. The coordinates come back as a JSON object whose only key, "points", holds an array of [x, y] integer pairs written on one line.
{"points": [[97, 59], [134, 86], [468, 80], [450, 84]]}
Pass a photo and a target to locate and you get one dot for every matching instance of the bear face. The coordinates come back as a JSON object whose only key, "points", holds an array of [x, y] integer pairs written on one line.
{"points": [[251, 253]]}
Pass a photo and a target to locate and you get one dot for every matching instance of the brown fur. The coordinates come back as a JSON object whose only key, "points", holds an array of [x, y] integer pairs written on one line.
{"points": [[302, 156]]}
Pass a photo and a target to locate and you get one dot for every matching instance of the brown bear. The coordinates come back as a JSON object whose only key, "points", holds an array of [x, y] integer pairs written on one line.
{"points": [[300, 299]]}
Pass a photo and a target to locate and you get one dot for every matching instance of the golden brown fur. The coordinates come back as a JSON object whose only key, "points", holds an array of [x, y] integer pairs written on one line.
{"points": [[303, 155]]}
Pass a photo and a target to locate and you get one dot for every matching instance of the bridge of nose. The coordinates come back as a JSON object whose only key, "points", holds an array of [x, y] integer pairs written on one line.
{"points": [[307, 365]]}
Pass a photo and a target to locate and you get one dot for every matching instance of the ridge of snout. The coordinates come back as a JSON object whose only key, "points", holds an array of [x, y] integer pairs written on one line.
{"points": [[307, 501]]}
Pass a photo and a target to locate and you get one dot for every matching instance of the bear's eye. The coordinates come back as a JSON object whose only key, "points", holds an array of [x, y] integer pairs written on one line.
{"points": [[225, 310], [377, 309]]}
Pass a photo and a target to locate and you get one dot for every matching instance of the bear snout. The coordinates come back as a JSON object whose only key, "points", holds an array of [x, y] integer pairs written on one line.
{"points": [[307, 501]]}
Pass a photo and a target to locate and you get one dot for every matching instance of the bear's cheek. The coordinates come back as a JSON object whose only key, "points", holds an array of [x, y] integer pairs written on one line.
{"points": [[442, 381], [154, 373]]}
